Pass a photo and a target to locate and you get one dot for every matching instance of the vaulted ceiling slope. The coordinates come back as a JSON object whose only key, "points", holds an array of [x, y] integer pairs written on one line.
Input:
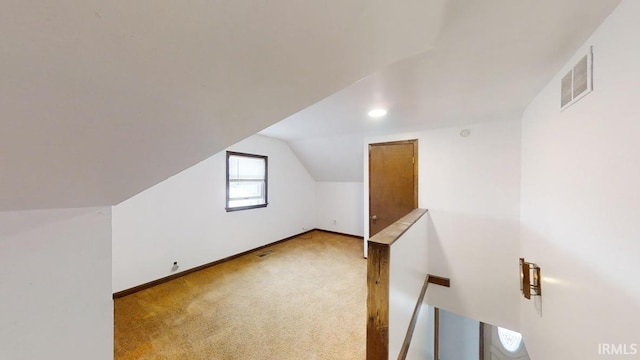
{"points": [[490, 59], [102, 99]]}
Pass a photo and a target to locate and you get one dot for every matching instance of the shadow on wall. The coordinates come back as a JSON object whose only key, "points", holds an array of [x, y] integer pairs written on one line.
{"points": [[436, 254]]}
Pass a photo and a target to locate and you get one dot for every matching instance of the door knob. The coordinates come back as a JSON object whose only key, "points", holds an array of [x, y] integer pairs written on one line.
{"points": [[374, 218]]}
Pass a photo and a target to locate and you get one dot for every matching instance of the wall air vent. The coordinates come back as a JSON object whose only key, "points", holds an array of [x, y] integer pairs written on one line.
{"points": [[578, 82]]}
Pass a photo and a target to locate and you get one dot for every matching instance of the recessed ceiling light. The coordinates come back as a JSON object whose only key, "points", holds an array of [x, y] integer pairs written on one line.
{"points": [[376, 113]]}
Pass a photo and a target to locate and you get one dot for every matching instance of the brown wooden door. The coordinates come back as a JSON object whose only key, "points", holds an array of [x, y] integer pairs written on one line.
{"points": [[393, 182]]}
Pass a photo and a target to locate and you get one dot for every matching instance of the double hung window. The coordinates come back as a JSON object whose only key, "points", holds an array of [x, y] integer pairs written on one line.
{"points": [[246, 181]]}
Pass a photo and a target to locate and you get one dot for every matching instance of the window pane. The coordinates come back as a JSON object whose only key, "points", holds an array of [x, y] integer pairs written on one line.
{"points": [[246, 189], [244, 202], [241, 167], [511, 340]]}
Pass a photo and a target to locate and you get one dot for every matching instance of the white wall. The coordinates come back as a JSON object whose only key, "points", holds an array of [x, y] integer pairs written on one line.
{"points": [[407, 273], [471, 186], [459, 337], [339, 207], [183, 219], [56, 284], [581, 203]]}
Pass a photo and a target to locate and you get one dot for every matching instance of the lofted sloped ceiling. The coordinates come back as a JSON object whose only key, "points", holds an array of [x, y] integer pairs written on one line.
{"points": [[100, 100], [489, 61]]}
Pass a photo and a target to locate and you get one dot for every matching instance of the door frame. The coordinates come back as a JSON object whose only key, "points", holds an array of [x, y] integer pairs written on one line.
{"points": [[367, 197]]}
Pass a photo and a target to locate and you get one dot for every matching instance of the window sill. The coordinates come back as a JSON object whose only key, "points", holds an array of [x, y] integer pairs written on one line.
{"points": [[246, 207]]}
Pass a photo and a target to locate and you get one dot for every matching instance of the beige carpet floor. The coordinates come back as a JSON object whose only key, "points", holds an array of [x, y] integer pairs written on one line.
{"points": [[304, 300]]}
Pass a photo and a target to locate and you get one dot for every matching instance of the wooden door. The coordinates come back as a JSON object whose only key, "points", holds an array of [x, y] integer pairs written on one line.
{"points": [[393, 182]]}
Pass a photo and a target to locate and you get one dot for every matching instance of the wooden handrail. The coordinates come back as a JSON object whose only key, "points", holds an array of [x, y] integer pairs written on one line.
{"points": [[414, 320], [429, 279]]}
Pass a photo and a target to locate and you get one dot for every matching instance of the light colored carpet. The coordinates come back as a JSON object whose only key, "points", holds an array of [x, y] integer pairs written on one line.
{"points": [[305, 300]]}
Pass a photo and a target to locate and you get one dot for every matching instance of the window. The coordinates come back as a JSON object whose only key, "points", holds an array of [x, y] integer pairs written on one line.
{"points": [[510, 340], [246, 181]]}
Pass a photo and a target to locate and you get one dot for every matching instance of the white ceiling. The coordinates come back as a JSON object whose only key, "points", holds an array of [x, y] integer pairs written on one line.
{"points": [[102, 99], [489, 60]]}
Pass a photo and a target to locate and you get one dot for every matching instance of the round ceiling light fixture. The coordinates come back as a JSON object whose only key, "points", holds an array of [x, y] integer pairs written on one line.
{"points": [[376, 113]]}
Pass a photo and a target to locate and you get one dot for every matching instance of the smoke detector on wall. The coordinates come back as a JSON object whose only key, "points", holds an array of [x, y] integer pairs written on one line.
{"points": [[578, 82]]}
